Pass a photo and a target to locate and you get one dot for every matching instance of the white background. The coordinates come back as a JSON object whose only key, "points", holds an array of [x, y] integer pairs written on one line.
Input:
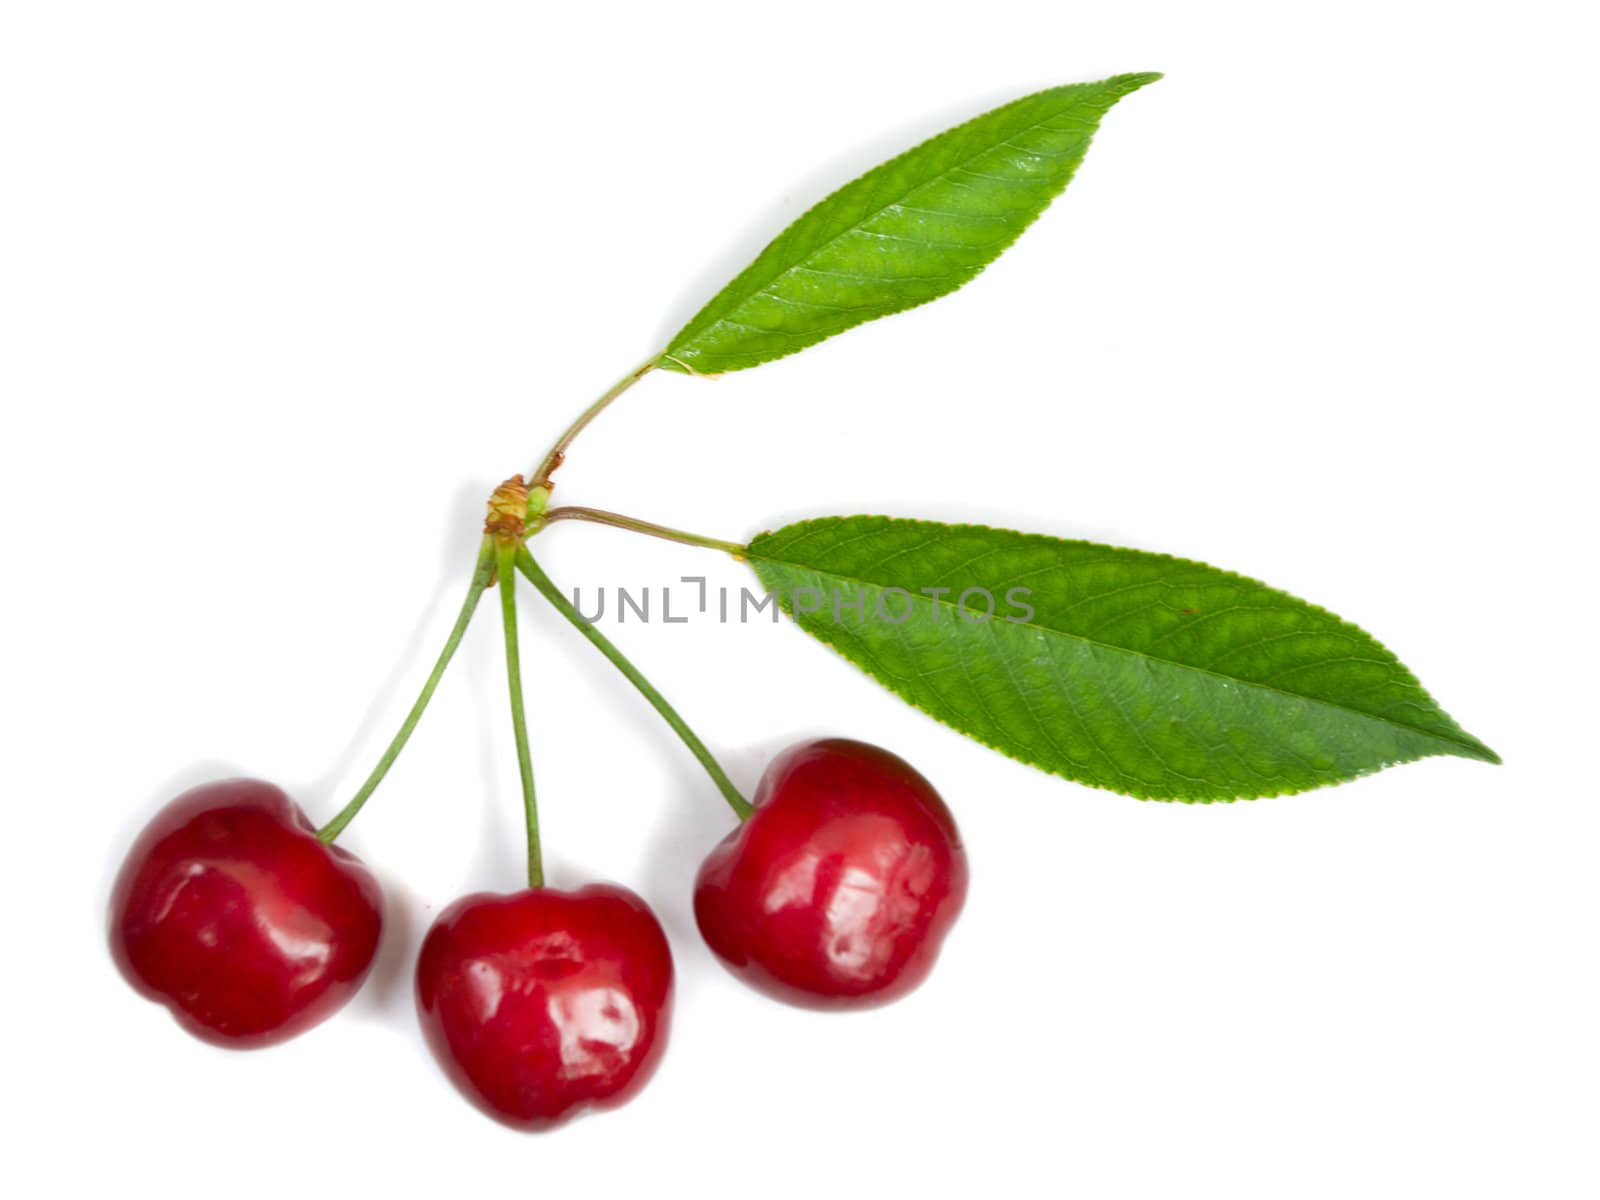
{"points": [[287, 288]]}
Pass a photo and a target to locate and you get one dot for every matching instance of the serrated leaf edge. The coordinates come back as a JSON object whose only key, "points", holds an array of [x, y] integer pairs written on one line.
{"points": [[1125, 85], [1468, 747]]}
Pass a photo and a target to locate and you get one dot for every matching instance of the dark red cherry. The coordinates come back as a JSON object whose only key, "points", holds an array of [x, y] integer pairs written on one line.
{"points": [[542, 1003], [230, 912], [839, 888]]}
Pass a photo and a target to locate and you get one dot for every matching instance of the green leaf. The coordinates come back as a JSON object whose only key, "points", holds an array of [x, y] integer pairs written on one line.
{"points": [[906, 232], [1146, 674]]}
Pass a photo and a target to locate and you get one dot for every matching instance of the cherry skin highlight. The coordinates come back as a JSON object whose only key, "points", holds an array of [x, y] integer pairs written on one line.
{"points": [[230, 912], [543, 1003], [841, 885]]}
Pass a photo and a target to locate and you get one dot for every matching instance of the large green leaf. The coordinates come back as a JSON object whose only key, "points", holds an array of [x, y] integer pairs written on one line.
{"points": [[1145, 674], [906, 232]]}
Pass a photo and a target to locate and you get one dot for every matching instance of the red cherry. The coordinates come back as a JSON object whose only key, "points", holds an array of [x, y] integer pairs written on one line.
{"points": [[542, 1003], [230, 912], [839, 888]]}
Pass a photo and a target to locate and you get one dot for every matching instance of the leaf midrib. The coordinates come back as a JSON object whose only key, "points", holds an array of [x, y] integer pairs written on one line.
{"points": [[1474, 748]]}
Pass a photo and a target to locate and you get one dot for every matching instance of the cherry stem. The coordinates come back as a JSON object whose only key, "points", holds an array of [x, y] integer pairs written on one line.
{"points": [[481, 576], [552, 459], [617, 521], [736, 801], [506, 561]]}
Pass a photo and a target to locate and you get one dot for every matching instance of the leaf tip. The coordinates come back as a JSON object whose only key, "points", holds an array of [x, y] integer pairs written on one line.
{"points": [[1463, 745], [1125, 84]]}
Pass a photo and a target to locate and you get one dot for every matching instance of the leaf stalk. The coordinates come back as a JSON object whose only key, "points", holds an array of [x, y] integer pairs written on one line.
{"points": [[600, 516], [557, 453]]}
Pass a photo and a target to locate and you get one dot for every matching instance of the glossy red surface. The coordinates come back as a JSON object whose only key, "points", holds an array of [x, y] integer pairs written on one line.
{"points": [[840, 887], [230, 912], [542, 1003]]}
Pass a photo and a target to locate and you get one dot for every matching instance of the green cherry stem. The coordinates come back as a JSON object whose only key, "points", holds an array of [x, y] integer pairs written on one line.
{"points": [[506, 561], [600, 516], [541, 474], [741, 807], [480, 580]]}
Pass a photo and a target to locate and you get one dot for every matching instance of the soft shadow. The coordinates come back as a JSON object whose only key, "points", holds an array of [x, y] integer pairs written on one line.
{"points": [[812, 186], [387, 991], [694, 819], [457, 556]]}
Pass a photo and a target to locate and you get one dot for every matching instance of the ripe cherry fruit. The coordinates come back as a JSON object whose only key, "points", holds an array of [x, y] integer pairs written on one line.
{"points": [[542, 1003], [232, 913], [839, 888]]}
